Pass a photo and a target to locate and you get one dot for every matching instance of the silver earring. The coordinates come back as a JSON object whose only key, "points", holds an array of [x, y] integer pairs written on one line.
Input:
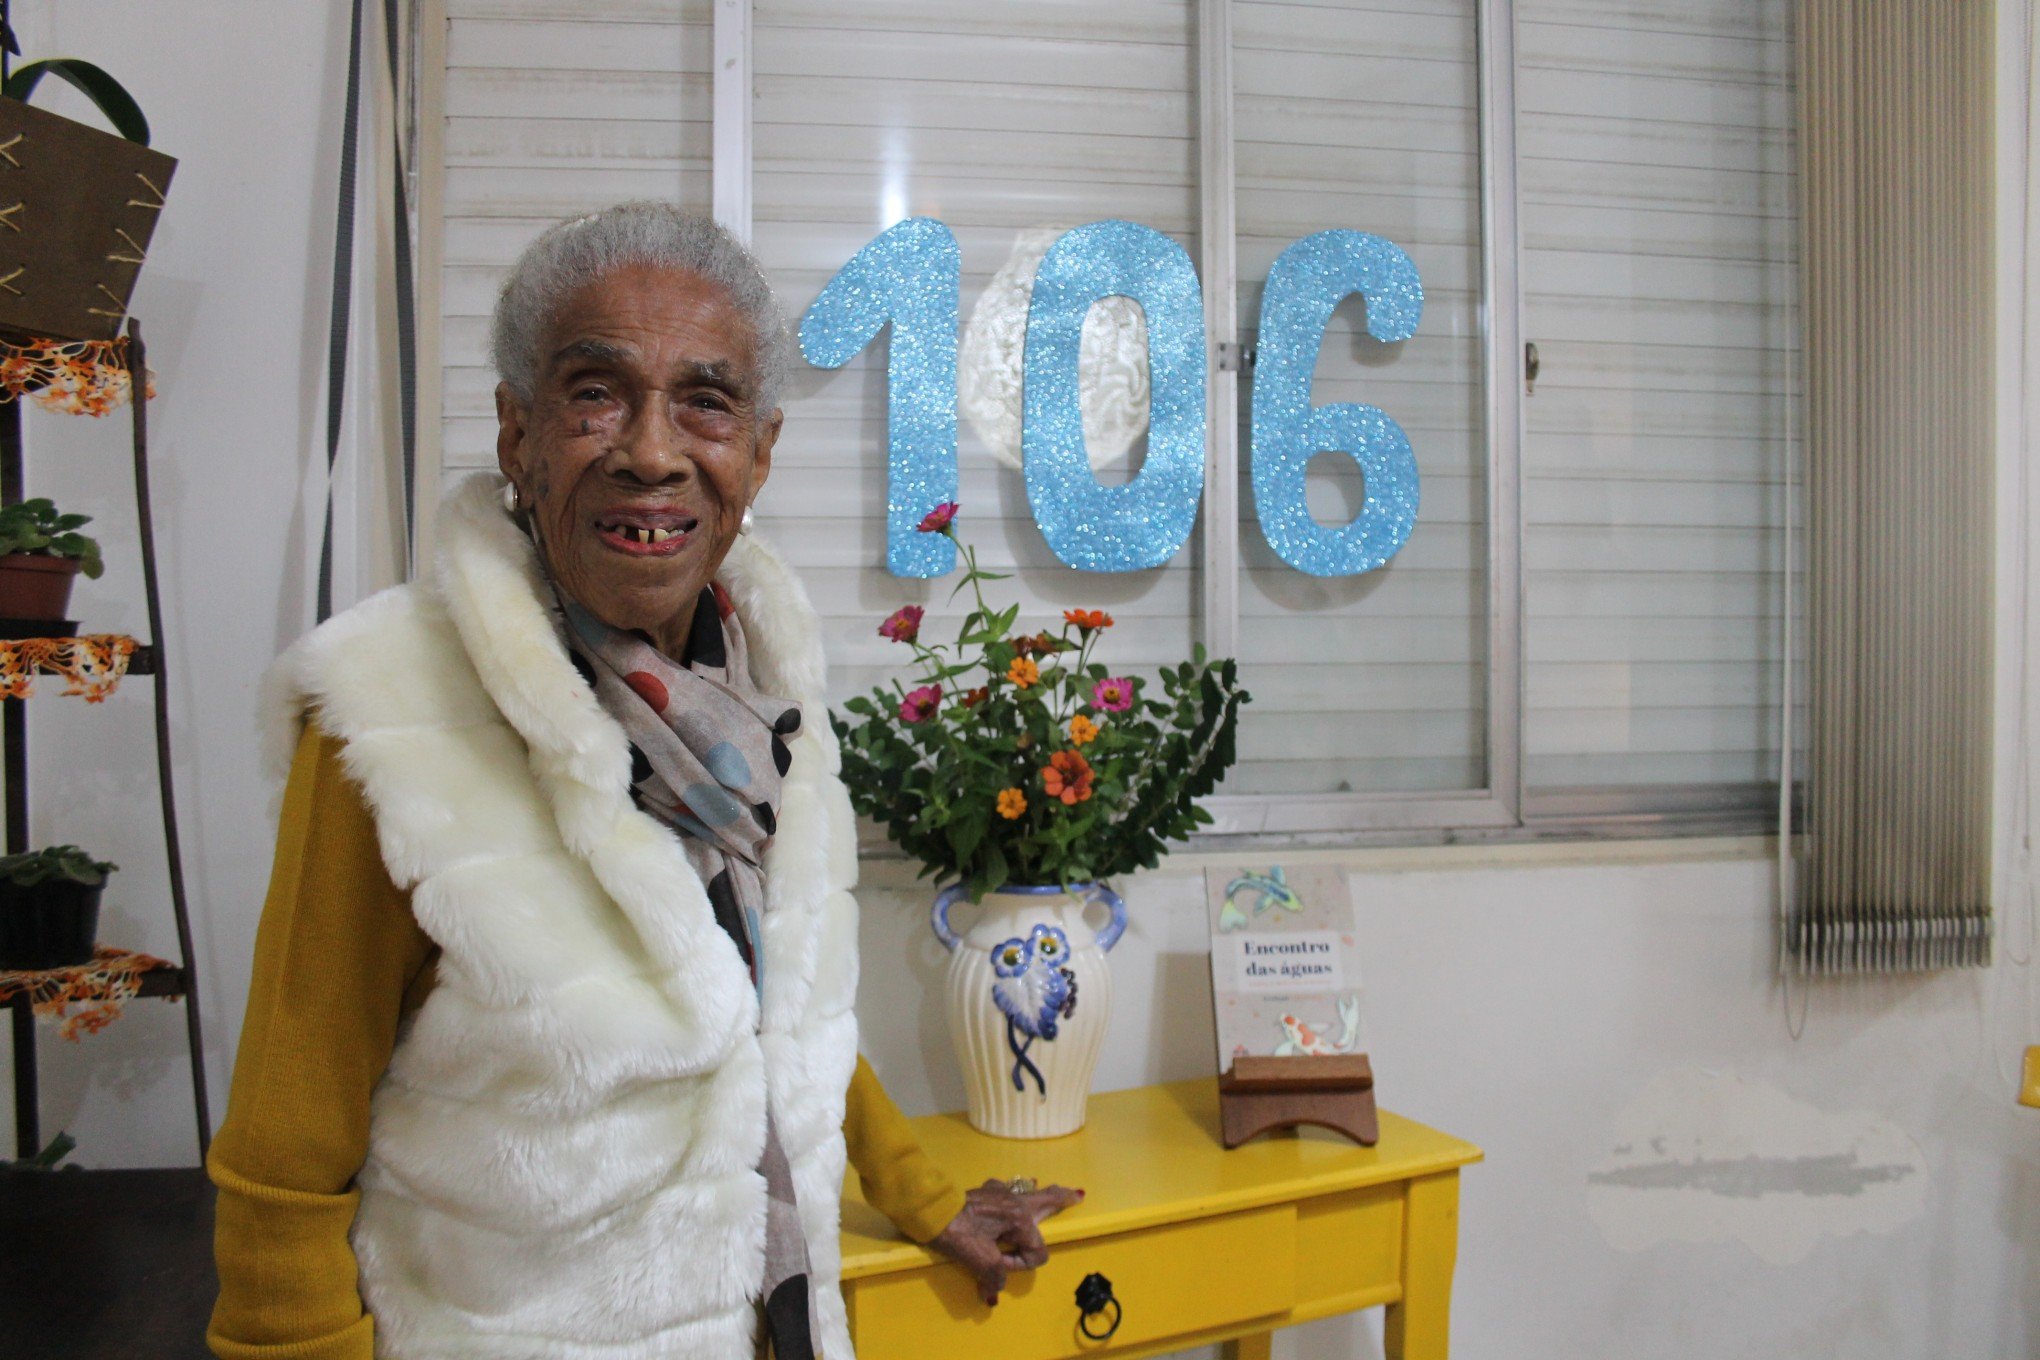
{"points": [[744, 526], [512, 501]]}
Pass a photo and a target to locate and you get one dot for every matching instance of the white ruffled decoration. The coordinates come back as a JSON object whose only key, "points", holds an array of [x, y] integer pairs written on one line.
{"points": [[1112, 364]]}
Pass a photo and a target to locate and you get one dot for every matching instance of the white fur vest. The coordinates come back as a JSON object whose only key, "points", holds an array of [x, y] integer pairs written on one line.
{"points": [[563, 1151]]}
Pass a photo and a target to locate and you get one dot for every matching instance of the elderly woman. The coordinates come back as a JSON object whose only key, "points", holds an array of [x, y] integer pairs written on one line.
{"points": [[550, 1031]]}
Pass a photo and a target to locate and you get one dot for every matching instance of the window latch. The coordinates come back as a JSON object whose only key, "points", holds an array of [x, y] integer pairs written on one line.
{"points": [[1235, 358]]}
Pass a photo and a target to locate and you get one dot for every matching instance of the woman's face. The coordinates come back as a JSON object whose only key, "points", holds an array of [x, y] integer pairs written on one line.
{"points": [[642, 445]]}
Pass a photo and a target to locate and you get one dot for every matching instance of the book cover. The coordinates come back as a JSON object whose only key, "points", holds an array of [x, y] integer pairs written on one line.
{"points": [[1285, 970]]}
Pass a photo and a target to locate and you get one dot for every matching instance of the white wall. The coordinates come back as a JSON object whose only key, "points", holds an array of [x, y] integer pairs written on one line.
{"points": [[233, 303], [1520, 1004], [1523, 1007]]}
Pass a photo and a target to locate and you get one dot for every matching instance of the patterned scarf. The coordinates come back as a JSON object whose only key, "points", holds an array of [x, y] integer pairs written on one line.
{"points": [[707, 753]]}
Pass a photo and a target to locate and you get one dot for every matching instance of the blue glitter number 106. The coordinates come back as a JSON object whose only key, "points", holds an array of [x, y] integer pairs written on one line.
{"points": [[909, 276]]}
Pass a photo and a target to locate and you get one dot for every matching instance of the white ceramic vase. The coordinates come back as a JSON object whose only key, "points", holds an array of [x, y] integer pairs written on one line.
{"points": [[1029, 995]]}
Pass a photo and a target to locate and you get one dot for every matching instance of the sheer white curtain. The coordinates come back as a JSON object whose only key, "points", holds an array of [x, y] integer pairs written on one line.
{"points": [[367, 485]]}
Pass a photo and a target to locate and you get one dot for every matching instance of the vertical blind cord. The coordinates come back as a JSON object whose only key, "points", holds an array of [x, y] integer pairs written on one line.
{"points": [[1787, 883], [1787, 876]]}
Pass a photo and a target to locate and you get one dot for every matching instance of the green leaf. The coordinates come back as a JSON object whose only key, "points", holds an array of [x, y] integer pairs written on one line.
{"points": [[55, 861]]}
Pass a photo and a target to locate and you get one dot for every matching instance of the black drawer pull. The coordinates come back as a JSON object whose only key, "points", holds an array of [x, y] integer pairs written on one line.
{"points": [[1094, 1297]]}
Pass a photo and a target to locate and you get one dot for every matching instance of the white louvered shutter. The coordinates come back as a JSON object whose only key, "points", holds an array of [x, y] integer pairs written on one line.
{"points": [[1661, 291]]}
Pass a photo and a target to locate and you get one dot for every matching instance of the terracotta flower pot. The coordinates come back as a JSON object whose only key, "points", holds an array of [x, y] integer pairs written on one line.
{"points": [[36, 586], [52, 924]]}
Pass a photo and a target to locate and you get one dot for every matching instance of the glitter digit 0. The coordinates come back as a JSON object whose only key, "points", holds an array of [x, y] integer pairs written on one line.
{"points": [[1142, 524]]}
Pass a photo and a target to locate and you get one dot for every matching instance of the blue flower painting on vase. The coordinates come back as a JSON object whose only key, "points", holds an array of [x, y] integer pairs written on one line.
{"points": [[1034, 989]]}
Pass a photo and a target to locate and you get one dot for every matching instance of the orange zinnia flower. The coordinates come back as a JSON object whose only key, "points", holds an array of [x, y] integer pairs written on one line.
{"points": [[1089, 620], [1067, 776], [1023, 673], [1012, 803], [1082, 730]]}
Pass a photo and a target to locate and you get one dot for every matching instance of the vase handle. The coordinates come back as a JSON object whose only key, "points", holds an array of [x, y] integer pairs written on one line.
{"points": [[938, 915], [1115, 927]]}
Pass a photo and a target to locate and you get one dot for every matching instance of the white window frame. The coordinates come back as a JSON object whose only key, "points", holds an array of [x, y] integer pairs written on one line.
{"points": [[1401, 816], [1503, 809]]}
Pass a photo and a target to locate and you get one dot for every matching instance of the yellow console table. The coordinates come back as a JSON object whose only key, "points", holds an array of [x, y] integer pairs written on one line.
{"points": [[1199, 1244]]}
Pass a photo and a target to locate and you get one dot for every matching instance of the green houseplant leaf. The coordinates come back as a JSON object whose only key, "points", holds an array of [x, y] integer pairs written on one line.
{"points": [[55, 862], [37, 526]]}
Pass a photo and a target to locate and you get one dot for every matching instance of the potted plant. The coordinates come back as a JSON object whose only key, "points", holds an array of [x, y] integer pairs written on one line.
{"points": [[1023, 773], [49, 907], [41, 552]]}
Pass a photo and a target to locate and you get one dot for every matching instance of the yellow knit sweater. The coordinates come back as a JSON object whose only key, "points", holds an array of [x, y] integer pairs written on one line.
{"points": [[339, 962]]}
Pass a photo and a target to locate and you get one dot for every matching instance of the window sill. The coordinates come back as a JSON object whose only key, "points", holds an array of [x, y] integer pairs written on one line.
{"points": [[886, 869]]}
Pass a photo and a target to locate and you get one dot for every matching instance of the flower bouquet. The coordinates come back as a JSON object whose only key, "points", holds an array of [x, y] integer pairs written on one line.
{"points": [[1020, 770], [1022, 758]]}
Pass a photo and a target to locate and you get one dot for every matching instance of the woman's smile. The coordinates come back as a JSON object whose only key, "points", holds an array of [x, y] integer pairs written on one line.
{"points": [[646, 533]]}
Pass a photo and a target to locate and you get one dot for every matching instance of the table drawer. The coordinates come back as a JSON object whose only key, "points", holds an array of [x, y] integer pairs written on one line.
{"points": [[1170, 1280]]}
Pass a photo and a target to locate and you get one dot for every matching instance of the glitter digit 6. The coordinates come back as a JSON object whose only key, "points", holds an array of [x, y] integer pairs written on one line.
{"points": [[1141, 524], [908, 275], [1307, 281]]}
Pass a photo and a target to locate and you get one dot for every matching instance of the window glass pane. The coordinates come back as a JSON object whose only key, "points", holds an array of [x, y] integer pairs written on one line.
{"points": [[1007, 122], [1365, 116], [1661, 289]]}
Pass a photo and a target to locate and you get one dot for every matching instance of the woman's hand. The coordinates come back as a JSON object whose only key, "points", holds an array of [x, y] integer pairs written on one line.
{"points": [[996, 1231]]}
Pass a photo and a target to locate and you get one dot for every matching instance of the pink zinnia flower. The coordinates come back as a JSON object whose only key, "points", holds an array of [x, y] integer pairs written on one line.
{"points": [[904, 625], [937, 519], [1113, 694], [920, 704]]}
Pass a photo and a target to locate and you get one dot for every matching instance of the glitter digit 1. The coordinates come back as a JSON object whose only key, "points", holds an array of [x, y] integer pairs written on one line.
{"points": [[1141, 524], [907, 275], [1307, 281]]}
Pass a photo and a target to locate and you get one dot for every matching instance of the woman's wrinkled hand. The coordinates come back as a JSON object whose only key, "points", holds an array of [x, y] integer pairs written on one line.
{"points": [[998, 1231]]}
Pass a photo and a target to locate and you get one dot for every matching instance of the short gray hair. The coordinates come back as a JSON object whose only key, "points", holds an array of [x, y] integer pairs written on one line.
{"points": [[573, 254]]}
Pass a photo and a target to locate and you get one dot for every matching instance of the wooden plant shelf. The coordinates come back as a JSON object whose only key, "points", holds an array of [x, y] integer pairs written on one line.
{"points": [[93, 678]]}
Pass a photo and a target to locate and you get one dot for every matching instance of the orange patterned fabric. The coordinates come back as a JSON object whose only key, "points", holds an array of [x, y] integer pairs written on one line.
{"points": [[98, 989], [75, 377], [91, 666]]}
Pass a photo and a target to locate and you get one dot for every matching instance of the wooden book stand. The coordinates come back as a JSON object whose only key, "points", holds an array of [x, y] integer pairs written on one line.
{"points": [[1260, 1095]]}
